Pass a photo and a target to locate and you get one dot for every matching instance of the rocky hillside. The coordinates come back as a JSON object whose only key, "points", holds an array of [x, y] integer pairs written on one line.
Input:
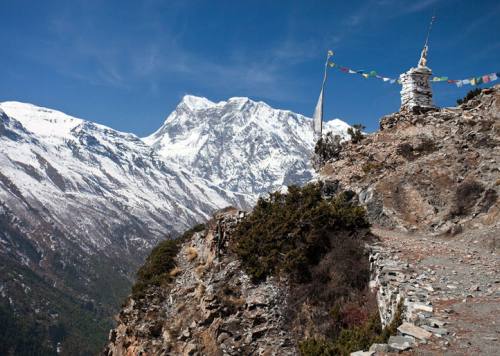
{"points": [[280, 280], [82, 204], [211, 307], [436, 171], [275, 285]]}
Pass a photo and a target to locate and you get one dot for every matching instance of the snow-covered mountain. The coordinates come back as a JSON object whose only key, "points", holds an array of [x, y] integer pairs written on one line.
{"points": [[81, 204], [239, 144]]}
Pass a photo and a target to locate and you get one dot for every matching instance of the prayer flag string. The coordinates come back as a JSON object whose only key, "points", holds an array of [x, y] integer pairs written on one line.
{"points": [[486, 78]]}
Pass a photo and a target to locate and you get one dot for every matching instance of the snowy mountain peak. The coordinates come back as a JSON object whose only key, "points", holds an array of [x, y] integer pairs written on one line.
{"points": [[196, 102], [239, 144], [40, 120]]}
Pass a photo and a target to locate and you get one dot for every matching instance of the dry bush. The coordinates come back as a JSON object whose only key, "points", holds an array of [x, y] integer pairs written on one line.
{"points": [[230, 299], [426, 146], [466, 196], [370, 167]]}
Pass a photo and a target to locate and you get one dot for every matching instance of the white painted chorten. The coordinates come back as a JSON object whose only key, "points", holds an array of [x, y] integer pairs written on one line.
{"points": [[416, 92]]}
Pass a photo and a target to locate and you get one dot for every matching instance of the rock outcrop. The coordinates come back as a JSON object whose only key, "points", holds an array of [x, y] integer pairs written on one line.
{"points": [[437, 171], [211, 307]]}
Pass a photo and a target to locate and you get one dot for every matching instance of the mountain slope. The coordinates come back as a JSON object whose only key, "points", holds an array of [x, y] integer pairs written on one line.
{"points": [[239, 144], [81, 204]]}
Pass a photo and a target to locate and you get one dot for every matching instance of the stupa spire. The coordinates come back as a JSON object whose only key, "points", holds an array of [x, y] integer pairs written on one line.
{"points": [[416, 92]]}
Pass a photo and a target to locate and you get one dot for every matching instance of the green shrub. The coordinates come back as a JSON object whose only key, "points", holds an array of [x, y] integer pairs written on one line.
{"points": [[471, 94], [372, 166], [354, 338], [356, 133], [327, 147], [290, 232], [315, 347], [160, 262]]}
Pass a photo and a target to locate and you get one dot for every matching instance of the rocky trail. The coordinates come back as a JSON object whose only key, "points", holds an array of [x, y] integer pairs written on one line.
{"points": [[451, 288]]}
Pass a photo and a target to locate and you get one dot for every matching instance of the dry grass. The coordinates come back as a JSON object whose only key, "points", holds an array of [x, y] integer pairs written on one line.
{"points": [[209, 343], [175, 271], [200, 291], [200, 270], [191, 253], [205, 262]]}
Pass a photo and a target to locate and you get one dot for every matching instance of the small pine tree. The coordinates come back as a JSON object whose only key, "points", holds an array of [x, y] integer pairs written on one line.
{"points": [[471, 94], [356, 133]]}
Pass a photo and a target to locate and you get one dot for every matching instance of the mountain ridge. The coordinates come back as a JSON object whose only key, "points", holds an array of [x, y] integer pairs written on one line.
{"points": [[82, 204], [194, 135]]}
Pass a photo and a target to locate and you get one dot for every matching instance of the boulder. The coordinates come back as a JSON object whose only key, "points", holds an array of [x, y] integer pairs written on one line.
{"points": [[415, 331], [400, 343]]}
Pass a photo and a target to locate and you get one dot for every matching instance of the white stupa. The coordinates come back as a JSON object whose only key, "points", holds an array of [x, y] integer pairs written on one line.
{"points": [[416, 92]]}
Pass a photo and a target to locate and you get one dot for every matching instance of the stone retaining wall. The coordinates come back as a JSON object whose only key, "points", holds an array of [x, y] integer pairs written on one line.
{"points": [[396, 281]]}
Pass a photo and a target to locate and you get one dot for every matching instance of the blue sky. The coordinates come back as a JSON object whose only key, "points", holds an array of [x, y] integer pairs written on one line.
{"points": [[126, 64]]}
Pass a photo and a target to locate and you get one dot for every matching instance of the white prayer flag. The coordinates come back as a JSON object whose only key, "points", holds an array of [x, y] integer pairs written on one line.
{"points": [[318, 115], [318, 111]]}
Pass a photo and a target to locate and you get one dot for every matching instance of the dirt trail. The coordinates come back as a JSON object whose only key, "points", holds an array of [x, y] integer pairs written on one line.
{"points": [[463, 272]]}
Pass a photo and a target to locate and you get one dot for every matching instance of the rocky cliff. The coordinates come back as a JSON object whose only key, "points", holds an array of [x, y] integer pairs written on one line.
{"points": [[211, 307], [223, 293]]}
